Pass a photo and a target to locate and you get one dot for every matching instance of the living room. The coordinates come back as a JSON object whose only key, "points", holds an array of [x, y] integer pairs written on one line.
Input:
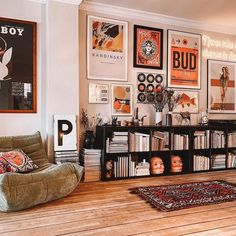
{"points": [[66, 75]]}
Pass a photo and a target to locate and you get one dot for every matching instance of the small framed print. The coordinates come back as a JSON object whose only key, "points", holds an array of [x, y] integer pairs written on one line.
{"points": [[221, 96], [122, 99], [189, 101], [184, 60], [98, 93], [148, 47]]}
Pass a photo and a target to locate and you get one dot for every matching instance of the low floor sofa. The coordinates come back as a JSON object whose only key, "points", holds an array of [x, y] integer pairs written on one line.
{"points": [[19, 191]]}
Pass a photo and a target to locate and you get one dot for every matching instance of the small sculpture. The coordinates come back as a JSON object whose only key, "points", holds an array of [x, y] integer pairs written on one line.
{"points": [[176, 164], [114, 120], [109, 167], [157, 166]]}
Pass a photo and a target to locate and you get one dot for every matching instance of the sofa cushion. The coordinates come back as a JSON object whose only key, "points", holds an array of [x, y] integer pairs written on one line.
{"points": [[31, 145], [17, 161]]}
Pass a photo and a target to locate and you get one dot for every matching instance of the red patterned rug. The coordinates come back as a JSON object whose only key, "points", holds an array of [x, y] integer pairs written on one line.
{"points": [[182, 196]]}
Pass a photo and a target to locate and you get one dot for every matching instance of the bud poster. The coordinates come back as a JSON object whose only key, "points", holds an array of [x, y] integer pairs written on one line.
{"points": [[184, 60], [17, 66], [106, 49]]}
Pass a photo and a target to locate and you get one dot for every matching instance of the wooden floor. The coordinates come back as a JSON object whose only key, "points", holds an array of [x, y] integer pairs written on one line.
{"points": [[107, 208]]}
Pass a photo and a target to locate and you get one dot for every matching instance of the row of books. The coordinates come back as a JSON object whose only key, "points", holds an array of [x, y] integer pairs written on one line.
{"points": [[232, 139], [66, 156], [201, 139], [218, 161], [139, 142], [90, 158], [201, 163], [180, 141], [231, 160], [126, 166], [217, 139], [160, 141]]}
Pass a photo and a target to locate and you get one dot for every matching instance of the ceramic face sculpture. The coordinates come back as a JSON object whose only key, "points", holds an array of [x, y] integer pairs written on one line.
{"points": [[109, 166], [176, 164], [157, 166]]}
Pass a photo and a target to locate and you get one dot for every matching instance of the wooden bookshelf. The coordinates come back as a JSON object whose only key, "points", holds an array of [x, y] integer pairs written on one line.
{"points": [[130, 149]]}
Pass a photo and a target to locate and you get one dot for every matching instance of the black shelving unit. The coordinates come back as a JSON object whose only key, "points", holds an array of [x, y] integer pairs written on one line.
{"points": [[201, 148]]}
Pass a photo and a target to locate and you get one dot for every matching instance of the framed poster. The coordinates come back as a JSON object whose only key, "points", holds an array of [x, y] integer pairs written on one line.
{"points": [[184, 60], [148, 47], [189, 101], [98, 93], [17, 66], [106, 49], [121, 99], [221, 97]]}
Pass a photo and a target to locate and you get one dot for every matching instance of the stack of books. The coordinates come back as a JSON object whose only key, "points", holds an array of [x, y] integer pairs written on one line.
{"points": [[139, 142], [143, 168], [118, 143], [66, 156], [218, 161], [201, 163], [231, 161], [90, 158]]}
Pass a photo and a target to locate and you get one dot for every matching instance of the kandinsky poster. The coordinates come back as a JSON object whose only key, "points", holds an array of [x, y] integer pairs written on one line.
{"points": [[17, 66], [221, 86], [148, 47], [106, 49], [184, 64]]}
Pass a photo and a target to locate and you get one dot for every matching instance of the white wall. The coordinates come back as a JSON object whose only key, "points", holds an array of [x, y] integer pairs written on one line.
{"points": [[57, 65]]}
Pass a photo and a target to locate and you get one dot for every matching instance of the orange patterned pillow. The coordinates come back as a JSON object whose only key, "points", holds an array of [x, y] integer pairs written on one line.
{"points": [[16, 161]]}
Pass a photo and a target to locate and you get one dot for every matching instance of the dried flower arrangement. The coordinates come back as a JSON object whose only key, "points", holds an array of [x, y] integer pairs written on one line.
{"points": [[89, 124]]}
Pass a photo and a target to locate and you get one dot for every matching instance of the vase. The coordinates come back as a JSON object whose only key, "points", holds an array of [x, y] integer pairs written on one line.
{"points": [[89, 139], [158, 118], [169, 118]]}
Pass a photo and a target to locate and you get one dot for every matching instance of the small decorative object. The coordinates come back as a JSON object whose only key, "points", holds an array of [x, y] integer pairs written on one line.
{"points": [[136, 120], [184, 60], [98, 93], [203, 118], [148, 47], [114, 120], [122, 99], [186, 120], [89, 126], [176, 164], [157, 165], [109, 167], [221, 86]]}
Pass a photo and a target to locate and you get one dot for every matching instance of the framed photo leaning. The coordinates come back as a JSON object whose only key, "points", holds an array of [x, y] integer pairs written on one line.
{"points": [[17, 66], [106, 49], [121, 99], [184, 60], [221, 94], [148, 47]]}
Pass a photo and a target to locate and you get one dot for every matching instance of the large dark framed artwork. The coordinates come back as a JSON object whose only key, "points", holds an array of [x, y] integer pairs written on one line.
{"points": [[17, 66], [184, 60], [107, 42], [221, 97], [148, 47]]}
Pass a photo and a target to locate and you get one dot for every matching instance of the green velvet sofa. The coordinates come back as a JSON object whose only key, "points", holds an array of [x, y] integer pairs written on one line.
{"points": [[19, 191]]}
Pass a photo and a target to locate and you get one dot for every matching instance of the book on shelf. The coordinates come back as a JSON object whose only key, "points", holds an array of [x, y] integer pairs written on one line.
{"points": [[232, 139], [201, 139], [218, 161], [160, 141], [231, 160], [218, 139], [180, 141], [118, 142], [139, 142], [201, 163]]}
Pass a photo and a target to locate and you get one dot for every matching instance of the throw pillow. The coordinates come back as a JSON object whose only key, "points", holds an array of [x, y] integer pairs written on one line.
{"points": [[16, 161]]}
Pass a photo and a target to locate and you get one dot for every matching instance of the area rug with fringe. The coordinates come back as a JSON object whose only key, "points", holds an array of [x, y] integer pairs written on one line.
{"points": [[182, 196]]}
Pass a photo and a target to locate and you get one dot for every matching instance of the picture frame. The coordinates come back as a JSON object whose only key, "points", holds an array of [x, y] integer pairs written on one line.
{"points": [[107, 49], [183, 60], [221, 92], [98, 93], [189, 102], [148, 47], [18, 89], [121, 99]]}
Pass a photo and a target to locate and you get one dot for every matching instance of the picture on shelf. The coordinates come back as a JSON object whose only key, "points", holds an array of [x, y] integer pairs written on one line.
{"points": [[184, 60], [106, 49], [98, 93], [188, 101], [18, 66], [148, 47], [121, 99], [221, 86]]}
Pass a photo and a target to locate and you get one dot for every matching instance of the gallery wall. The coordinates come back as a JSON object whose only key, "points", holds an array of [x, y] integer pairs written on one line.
{"points": [[208, 52]]}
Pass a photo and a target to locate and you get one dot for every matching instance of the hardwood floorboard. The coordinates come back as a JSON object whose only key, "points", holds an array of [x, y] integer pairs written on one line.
{"points": [[105, 208]]}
